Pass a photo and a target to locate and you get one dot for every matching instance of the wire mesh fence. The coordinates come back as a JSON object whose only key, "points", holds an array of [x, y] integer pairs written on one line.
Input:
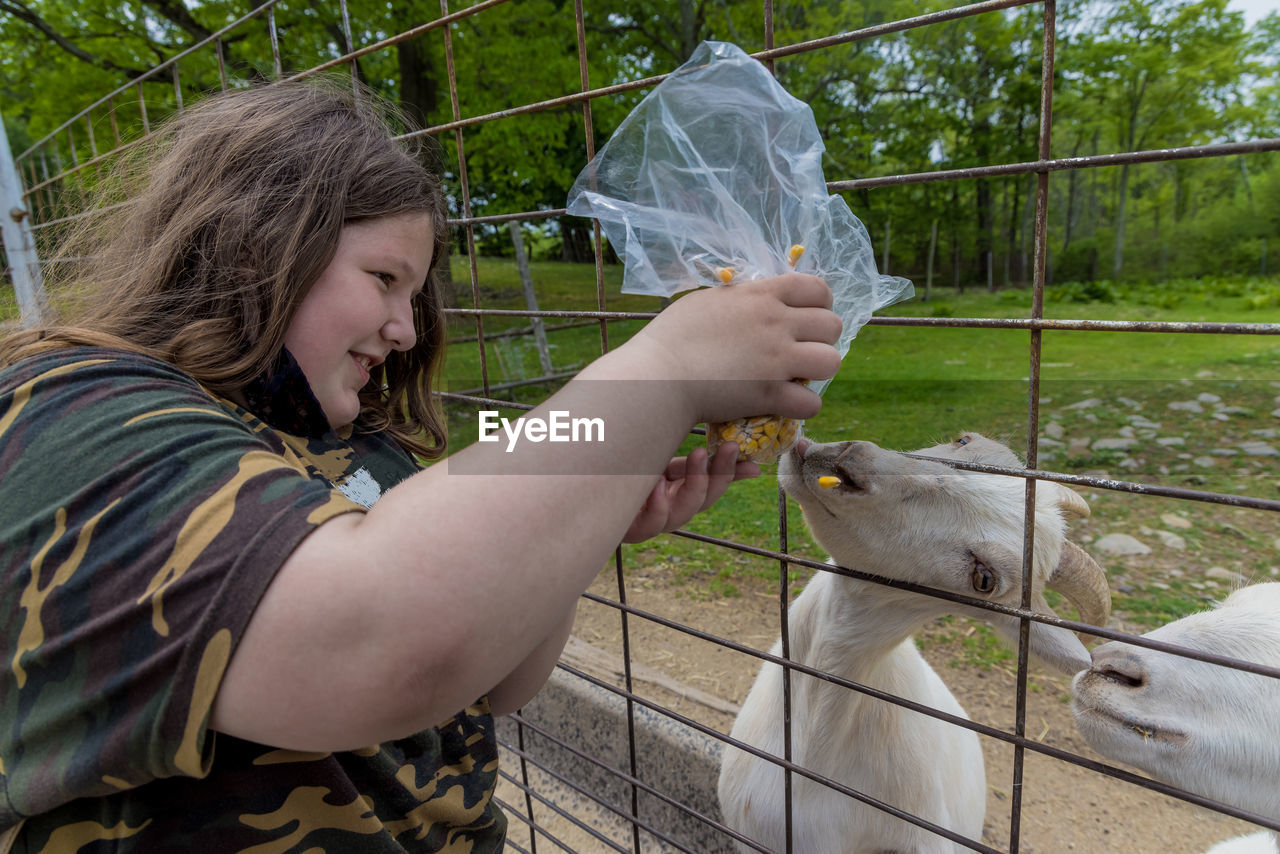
{"points": [[623, 753]]}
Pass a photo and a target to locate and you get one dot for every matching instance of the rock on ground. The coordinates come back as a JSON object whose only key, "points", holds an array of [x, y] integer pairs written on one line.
{"points": [[1122, 544]]}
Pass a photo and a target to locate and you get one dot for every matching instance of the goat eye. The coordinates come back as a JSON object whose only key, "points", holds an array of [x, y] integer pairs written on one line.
{"points": [[963, 440], [984, 580]]}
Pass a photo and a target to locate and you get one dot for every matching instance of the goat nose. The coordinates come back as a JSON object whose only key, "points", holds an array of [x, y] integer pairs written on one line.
{"points": [[1119, 665]]}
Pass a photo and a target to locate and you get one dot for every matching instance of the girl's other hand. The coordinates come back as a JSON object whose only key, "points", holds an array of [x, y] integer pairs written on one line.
{"points": [[687, 487]]}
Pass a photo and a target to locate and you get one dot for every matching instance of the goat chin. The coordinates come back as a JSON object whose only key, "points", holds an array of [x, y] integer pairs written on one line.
{"points": [[1055, 647], [910, 520], [1211, 730]]}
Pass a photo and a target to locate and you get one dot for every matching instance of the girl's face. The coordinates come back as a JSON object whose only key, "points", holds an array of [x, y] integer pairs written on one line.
{"points": [[359, 309]]}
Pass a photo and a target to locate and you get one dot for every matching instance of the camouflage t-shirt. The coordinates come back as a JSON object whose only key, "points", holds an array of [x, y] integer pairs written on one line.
{"points": [[141, 519]]}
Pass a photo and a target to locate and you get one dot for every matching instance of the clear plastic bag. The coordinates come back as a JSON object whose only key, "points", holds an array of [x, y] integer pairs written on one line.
{"points": [[720, 169]]}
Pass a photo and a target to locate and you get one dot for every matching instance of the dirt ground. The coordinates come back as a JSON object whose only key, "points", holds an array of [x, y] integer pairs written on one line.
{"points": [[1065, 807]]}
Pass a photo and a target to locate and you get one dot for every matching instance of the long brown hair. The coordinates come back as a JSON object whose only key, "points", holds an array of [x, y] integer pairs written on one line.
{"points": [[232, 212]]}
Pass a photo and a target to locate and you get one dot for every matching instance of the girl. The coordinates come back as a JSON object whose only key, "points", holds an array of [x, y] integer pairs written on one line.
{"points": [[214, 638]]}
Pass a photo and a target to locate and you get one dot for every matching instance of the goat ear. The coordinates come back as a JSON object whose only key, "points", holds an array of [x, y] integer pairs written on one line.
{"points": [[1071, 503]]}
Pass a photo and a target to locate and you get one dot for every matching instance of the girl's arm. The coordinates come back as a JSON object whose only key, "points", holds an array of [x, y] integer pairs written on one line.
{"points": [[456, 576], [688, 486], [527, 679]]}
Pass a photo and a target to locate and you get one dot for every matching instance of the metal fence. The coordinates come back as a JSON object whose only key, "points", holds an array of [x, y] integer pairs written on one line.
{"points": [[550, 809]]}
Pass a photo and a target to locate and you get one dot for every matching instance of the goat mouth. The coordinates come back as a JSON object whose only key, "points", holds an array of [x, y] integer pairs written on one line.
{"points": [[1121, 724]]}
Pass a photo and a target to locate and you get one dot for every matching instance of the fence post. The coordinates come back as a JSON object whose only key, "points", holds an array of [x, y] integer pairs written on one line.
{"points": [[530, 298], [19, 246]]}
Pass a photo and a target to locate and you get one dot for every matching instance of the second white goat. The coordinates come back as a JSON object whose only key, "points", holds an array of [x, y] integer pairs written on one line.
{"points": [[1208, 729], [912, 520]]}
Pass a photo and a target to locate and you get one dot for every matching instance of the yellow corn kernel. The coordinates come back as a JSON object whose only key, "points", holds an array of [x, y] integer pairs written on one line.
{"points": [[828, 482], [725, 274], [794, 253]]}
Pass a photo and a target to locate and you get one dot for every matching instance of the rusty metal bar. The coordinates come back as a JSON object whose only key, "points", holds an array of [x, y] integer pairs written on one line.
{"points": [[1226, 498], [632, 760], [784, 582], [1159, 155], [49, 198], [354, 63], [275, 41], [524, 330], [1049, 22], [111, 112], [222, 64], [524, 776], [142, 109], [93, 143], [466, 190], [177, 86], [588, 130], [784, 622], [35, 203], [1197, 327]]}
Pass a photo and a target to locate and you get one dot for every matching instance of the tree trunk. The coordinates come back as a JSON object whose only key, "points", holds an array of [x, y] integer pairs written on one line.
{"points": [[1117, 264], [955, 240], [986, 226], [419, 82], [420, 99], [690, 25], [575, 241], [933, 245]]}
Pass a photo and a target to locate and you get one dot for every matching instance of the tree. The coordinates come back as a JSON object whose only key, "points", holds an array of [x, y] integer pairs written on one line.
{"points": [[1130, 75], [1159, 74]]}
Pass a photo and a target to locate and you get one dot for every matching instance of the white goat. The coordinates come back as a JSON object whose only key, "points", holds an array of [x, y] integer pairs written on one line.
{"points": [[923, 522], [1208, 729]]}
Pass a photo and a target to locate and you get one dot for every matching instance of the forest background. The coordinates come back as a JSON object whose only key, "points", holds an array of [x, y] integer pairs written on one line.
{"points": [[1129, 76]]}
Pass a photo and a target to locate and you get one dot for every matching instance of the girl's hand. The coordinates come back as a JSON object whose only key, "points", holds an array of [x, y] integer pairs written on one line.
{"points": [[733, 350], [687, 487]]}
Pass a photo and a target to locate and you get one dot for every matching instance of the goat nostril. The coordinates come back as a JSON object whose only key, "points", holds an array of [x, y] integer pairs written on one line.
{"points": [[849, 478], [1131, 679]]}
